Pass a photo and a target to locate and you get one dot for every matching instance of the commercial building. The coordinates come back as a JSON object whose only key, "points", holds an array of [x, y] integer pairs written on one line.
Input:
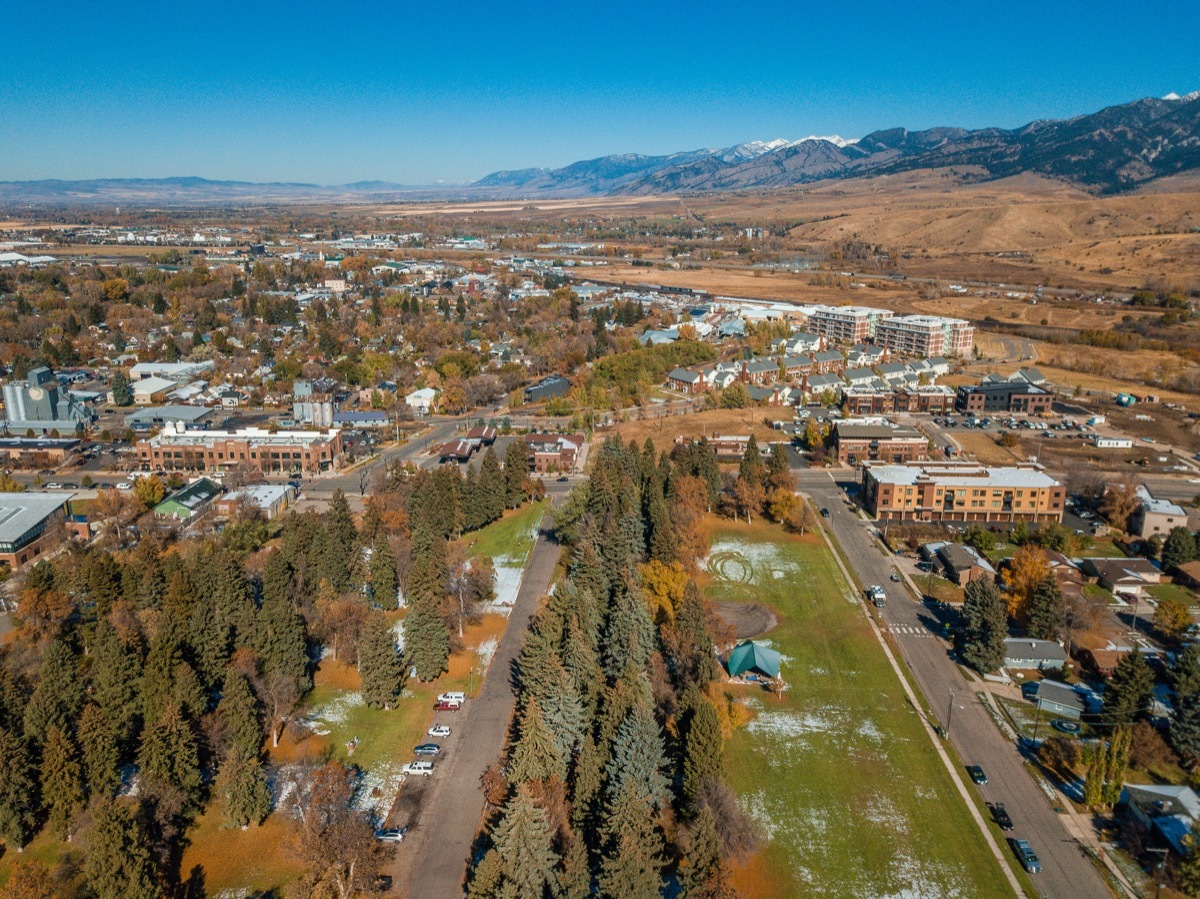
{"points": [[37, 452], [178, 449], [179, 372], [961, 491], [40, 404], [845, 324], [311, 406], [31, 524], [189, 501], [925, 335], [855, 443], [270, 499], [553, 452], [159, 416], [1156, 516], [421, 401], [548, 388], [1004, 396]]}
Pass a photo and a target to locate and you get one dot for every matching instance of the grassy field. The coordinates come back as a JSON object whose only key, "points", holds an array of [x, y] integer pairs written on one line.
{"points": [[511, 536], [839, 772], [1172, 591]]}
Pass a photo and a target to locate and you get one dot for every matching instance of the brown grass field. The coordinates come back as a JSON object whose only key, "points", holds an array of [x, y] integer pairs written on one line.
{"points": [[725, 422]]}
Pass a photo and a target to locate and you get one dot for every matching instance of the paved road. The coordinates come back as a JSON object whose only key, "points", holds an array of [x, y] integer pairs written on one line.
{"points": [[441, 838], [1066, 871]]}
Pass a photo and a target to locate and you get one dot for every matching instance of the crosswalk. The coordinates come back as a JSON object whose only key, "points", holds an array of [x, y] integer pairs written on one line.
{"points": [[908, 630]]}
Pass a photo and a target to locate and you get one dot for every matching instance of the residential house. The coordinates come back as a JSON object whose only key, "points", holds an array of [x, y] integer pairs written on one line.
{"points": [[1022, 652], [686, 381], [1155, 516], [189, 501], [1171, 813], [1057, 699], [422, 401], [1124, 577], [959, 563]]}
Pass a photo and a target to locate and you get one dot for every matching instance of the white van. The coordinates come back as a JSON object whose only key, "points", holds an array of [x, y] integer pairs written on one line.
{"points": [[423, 768], [453, 697]]}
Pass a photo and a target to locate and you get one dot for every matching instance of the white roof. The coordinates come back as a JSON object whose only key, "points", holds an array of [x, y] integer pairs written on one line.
{"points": [[968, 475], [153, 384], [19, 512], [1159, 506], [262, 495]]}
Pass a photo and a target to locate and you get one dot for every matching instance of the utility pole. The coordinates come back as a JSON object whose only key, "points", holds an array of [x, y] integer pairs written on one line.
{"points": [[949, 710]]}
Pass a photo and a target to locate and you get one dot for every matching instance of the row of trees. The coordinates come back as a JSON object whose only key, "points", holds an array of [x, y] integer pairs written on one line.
{"points": [[612, 780]]}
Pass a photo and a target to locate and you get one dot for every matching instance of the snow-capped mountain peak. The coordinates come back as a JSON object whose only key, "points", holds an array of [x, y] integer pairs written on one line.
{"points": [[756, 148], [832, 138], [1194, 95]]}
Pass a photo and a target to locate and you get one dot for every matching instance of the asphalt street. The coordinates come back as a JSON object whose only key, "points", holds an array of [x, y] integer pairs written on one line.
{"points": [[439, 842], [1067, 872]]}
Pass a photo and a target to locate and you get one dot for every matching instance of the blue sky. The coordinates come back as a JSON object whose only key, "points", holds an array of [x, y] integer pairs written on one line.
{"points": [[421, 92]]}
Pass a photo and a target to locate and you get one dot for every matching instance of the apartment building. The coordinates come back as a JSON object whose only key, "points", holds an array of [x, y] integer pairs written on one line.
{"points": [[925, 335], [179, 449], [1004, 396], [854, 443], [845, 324], [961, 491]]}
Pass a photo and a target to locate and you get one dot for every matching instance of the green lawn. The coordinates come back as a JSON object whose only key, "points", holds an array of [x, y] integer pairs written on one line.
{"points": [[1102, 548], [511, 536], [1172, 591], [840, 773]]}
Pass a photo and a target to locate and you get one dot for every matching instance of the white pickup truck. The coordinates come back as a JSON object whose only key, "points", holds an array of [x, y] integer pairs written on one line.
{"points": [[876, 595]]}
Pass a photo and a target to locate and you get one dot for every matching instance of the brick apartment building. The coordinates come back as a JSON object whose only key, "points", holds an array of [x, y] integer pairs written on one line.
{"points": [[961, 491], [281, 451], [925, 335], [854, 443]]}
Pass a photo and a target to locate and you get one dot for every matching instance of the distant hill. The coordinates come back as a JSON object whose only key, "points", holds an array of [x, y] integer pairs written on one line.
{"points": [[1113, 150]]}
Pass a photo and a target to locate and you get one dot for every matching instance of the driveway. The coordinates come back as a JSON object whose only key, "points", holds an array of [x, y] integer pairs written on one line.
{"points": [[1066, 869], [432, 861]]}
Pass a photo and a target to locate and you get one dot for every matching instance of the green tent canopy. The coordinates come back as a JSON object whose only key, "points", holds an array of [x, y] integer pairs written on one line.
{"points": [[749, 656]]}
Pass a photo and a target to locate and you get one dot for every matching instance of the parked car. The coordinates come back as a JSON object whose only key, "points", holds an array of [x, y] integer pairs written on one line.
{"points": [[453, 697], [447, 706], [824, 513], [392, 835], [427, 749], [124, 485], [438, 730], [977, 774], [422, 768], [1000, 815], [54, 485], [896, 576], [564, 479], [1025, 855]]}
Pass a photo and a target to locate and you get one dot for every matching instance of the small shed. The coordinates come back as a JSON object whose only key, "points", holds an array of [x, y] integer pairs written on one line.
{"points": [[750, 656]]}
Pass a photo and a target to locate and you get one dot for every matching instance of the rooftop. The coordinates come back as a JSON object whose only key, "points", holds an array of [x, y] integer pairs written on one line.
{"points": [[19, 512], [967, 473]]}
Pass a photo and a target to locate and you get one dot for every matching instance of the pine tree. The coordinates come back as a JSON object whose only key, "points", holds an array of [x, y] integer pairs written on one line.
{"points": [[702, 875], [1129, 690], [238, 709], [18, 791], [122, 393], [384, 580], [582, 666], [100, 744], [629, 637], [169, 754], [62, 781], [1188, 871], [575, 878], [535, 671], [586, 779], [1178, 549], [523, 842], [750, 469], [691, 645], [516, 472], [1185, 675], [59, 694], [119, 864], [638, 758], [1045, 611], [382, 670], [535, 755], [486, 877], [985, 626], [1185, 726], [114, 674], [632, 868], [564, 713], [242, 785], [280, 636], [426, 641], [703, 749], [493, 493]]}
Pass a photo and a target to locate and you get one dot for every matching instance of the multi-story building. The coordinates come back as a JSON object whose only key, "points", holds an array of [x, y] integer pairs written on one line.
{"points": [[855, 443], [1004, 396], [961, 491], [37, 452], [39, 404], [31, 524], [179, 449], [845, 324], [925, 335]]}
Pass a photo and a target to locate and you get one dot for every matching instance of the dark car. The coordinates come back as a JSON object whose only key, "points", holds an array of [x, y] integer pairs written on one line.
{"points": [[564, 479], [824, 513], [1000, 815], [977, 774], [427, 749], [446, 707], [1025, 855]]}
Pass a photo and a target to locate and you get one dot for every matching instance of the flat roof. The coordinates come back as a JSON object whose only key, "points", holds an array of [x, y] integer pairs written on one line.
{"points": [[968, 475], [165, 413], [20, 512], [262, 495], [856, 431]]}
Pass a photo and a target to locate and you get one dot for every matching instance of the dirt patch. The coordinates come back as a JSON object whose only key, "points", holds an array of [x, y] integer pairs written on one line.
{"points": [[719, 422], [746, 619]]}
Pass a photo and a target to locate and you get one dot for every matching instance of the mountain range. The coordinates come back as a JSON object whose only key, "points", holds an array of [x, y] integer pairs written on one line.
{"points": [[1115, 149]]}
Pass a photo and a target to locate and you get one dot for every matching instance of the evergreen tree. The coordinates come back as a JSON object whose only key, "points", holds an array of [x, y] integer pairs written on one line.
{"points": [[1178, 549], [703, 749], [486, 877], [629, 636], [1185, 674], [382, 670], [702, 875], [238, 709], [1189, 867], [535, 755], [114, 674], [493, 492], [582, 666], [1185, 726], [339, 522], [59, 694], [1046, 612], [985, 619], [516, 472], [122, 393], [280, 636], [750, 469], [100, 744], [1129, 690], [564, 713], [638, 759], [523, 841], [426, 641], [18, 791], [169, 754], [62, 781], [632, 868], [535, 670], [384, 580], [575, 878], [327, 560], [242, 785], [690, 643], [119, 863]]}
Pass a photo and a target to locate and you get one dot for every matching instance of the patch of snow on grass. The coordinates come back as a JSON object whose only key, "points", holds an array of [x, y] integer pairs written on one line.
{"points": [[384, 781], [509, 574], [756, 805], [398, 635], [334, 712], [486, 650]]}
